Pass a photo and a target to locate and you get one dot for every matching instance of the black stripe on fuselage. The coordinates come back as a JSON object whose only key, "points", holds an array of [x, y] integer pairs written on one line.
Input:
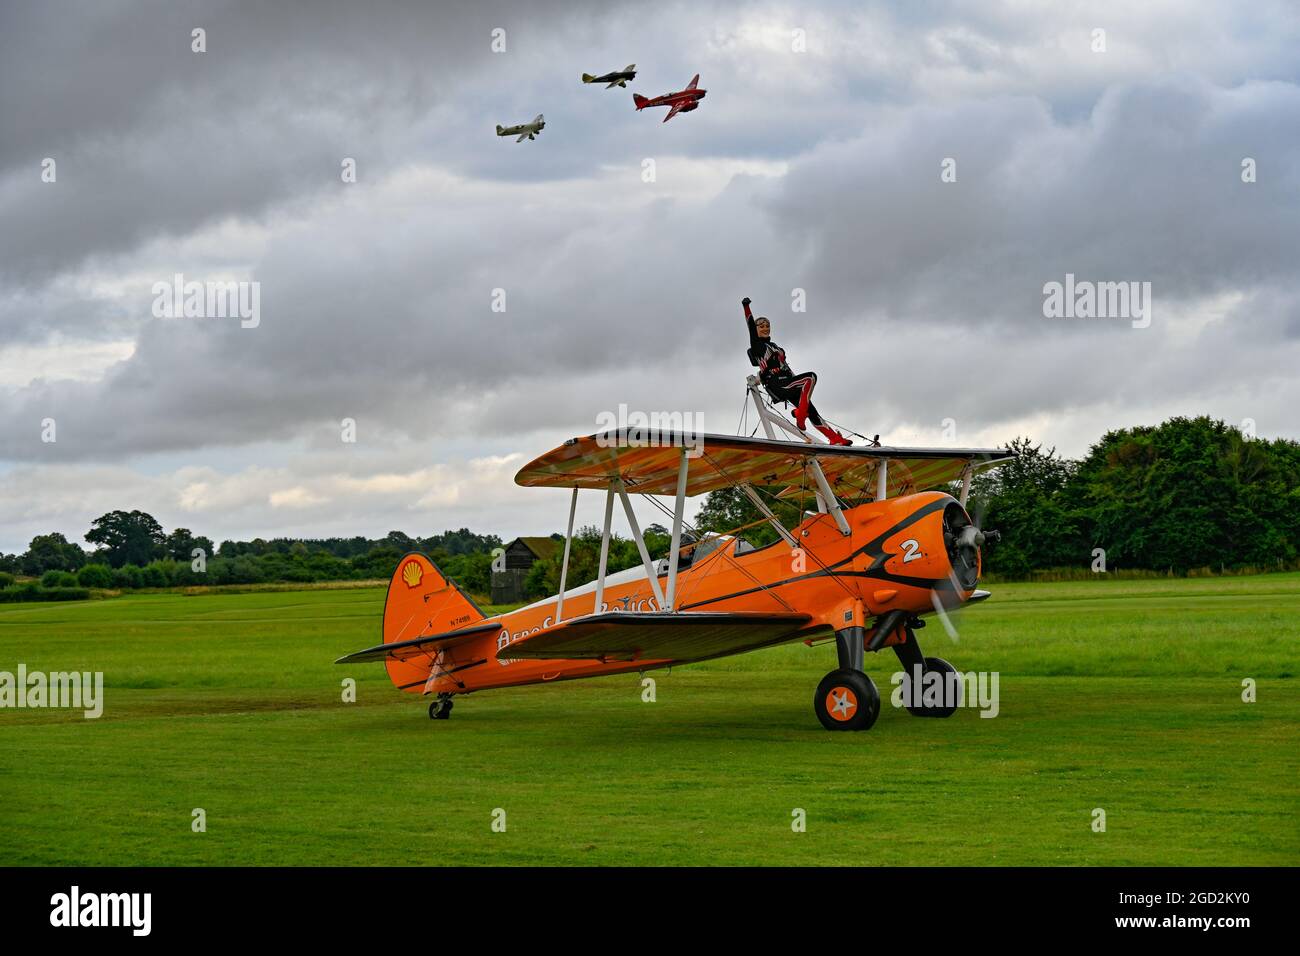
{"points": [[876, 571]]}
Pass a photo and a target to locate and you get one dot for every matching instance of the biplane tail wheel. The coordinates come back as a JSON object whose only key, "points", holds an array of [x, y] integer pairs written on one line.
{"points": [[949, 689], [440, 709], [847, 700]]}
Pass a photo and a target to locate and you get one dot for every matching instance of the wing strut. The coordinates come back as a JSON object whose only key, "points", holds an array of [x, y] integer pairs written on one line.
{"points": [[769, 418], [674, 549], [640, 541], [832, 503], [604, 551], [564, 568], [761, 505]]}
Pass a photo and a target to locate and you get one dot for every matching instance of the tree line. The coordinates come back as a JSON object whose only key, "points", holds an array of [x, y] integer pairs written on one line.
{"points": [[133, 551], [1188, 493]]}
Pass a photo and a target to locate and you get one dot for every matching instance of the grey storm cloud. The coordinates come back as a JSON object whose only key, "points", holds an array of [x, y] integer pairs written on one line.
{"points": [[817, 171], [153, 139], [1149, 187]]}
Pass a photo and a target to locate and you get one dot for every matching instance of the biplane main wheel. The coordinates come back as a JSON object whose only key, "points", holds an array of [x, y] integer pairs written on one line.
{"points": [[440, 709], [846, 700], [950, 690]]}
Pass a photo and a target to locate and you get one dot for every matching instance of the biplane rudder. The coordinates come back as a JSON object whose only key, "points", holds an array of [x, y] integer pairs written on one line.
{"points": [[422, 600]]}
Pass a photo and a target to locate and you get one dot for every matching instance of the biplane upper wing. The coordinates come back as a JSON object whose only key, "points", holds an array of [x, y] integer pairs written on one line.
{"points": [[657, 636], [426, 646], [650, 465]]}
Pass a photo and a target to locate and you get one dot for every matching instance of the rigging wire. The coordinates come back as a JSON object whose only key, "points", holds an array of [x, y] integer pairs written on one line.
{"points": [[744, 417], [693, 530], [820, 563], [874, 441]]}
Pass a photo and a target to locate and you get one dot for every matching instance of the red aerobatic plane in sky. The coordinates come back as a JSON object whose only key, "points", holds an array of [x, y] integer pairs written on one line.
{"points": [[683, 101]]}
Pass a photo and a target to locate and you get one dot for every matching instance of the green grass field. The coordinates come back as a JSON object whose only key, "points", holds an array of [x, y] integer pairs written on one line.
{"points": [[1123, 695]]}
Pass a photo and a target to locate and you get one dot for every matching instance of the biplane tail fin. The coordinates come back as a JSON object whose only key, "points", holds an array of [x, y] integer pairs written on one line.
{"points": [[588, 78], [639, 100], [424, 613], [421, 600]]}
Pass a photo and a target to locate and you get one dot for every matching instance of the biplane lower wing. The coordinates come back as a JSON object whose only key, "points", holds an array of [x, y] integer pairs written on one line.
{"points": [[426, 646], [680, 637]]}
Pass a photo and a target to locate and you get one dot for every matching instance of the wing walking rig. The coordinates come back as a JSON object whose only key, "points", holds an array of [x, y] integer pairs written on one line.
{"points": [[879, 544]]}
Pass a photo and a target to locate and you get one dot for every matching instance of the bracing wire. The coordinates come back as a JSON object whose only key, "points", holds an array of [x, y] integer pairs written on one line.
{"points": [[693, 530], [836, 425], [816, 559]]}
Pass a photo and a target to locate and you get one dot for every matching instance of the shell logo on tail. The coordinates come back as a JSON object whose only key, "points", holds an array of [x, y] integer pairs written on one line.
{"points": [[412, 573]]}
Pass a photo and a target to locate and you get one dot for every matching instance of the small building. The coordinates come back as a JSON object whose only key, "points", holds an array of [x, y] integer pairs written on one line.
{"points": [[520, 556]]}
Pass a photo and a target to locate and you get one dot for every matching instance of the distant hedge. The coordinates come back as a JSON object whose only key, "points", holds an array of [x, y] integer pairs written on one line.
{"points": [[95, 576], [35, 592]]}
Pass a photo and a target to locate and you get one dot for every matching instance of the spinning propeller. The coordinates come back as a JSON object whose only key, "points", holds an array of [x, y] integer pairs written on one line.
{"points": [[963, 539]]}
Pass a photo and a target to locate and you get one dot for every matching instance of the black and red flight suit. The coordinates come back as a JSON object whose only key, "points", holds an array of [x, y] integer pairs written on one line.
{"points": [[782, 384]]}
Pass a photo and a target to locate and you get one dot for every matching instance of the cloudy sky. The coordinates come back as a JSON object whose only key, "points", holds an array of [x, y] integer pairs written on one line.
{"points": [[813, 164]]}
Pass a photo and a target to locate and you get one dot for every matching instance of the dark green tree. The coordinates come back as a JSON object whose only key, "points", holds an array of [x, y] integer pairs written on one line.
{"points": [[180, 545], [400, 541], [51, 552], [729, 508], [127, 537], [543, 579], [1027, 501], [1189, 493]]}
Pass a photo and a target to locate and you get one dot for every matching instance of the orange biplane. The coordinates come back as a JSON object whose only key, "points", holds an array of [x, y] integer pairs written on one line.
{"points": [[864, 573]]}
